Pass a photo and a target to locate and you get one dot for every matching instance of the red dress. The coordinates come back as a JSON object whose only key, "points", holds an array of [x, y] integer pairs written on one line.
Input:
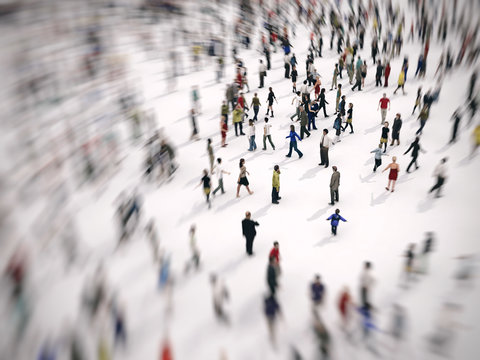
{"points": [[393, 174], [225, 129]]}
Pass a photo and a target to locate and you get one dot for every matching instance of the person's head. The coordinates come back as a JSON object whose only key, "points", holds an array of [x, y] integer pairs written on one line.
{"points": [[364, 63], [209, 141], [368, 265], [322, 91], [317, 277], [292, 128], [394, 159], [337, 211], [248, 214], [336, 65], [398, 115], [417, 139], [294, 67], [339, 86], [192, 229], [350, 105], [223, 102], [384, 95], [298, 93], [276, 168], [224, 118], [269, 89], [242, 161], [261, 62], [241, 93], [250, 122], [334, 168], [343, 97], [255, 95], [378, 62], [205, 172], [444, 160], [386, 124], [266, 119], [219, 160], [276, 245], [305, 82], [325, 131]]}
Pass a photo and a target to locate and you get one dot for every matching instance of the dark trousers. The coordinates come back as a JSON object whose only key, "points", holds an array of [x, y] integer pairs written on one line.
{"points": [[334, 230], [261, 80], [422, 125], [303, 130], [378, 81], [272, 289], [346, 125], [255, 111], [293, 146], [333, 195], [357, 84], [269, 137], [287, 70], [226, 117], [311, 121], [414, 161], [438, 185], [364, 298], [324, 109], [378, 162], [324, 155], [233, 103], [238, 124], [249, 245], [274, 195]]}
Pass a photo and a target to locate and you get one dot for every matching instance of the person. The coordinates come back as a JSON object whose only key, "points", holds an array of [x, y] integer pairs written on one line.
{"points": [[220, 171], [341, 107], [339, 95], [206, 186], [440, 173], [193, 118], [237, 120], [272, 276], [410, 255], [384, 105], [293, 76], [266, 135], [363, 70], [317, 291], [335, 76], [298, 103], [423, 117], [334, 184], [211, 156], [349, 118], [418, 100], [397, 125], [378, 157], [271, 97], [394, 170], [401, 82], [195, 259], [293, 136], [387, 73], [335, 218], [276, 185], [476, 139], [249, 231], [305, 91], [251, 136], [286, 60], [322, 103], [255, 105], [337, 125], [242, 178], [358, 79], [262, 72], [166, 351], [366, 283], [303, 123], [312, 114], [223, 130], [220, 296], [325, 143], [322, 335], [224, 109], [384, 137], [427, 249], [272, 311], [415, 147], [456, 117], [275, 253], [345, 305], [378, 74]]}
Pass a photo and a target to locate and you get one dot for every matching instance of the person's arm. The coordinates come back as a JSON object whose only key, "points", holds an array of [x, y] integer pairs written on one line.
{"points": [[341, 218], [411, 146], [298, 137], [388, 167], [256, 223], [330, 217]]}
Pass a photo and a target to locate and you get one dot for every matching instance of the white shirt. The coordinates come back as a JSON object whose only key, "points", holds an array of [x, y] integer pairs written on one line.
{"points": [[262, 68], [298, 101], [219, 170], [304, 89], [251, 130], [286, 59], [326, 141], [366, 279], [440, 171], [267, 129]]}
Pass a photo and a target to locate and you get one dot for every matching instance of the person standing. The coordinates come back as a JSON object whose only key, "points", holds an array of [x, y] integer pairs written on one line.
{"points": [[293, 76], [384, 106], [387, 73], [211, 156], [335, 77], [271, 97], [206, 186], [392, 176], [325, 144], [334, 184], [249, 231], [251, 136], [322, 103], [441, 174], [194, 125], [339, 95], [378, 157], [237, 120], [335, 218], [349, 118], [276, 185], [456, 117], [415, 147], [293, 136], [255, 105], [384, 137], [366, 284], [337, 125], [397, 125], [262, 72], [242, 178], [272, 276], [266, 135], [223, 130], [220, 171], [378, 74], [303, 123]]}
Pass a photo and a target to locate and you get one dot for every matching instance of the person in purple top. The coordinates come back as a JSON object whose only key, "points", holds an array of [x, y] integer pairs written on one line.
{"points": [[335, 218], [293, 142]]}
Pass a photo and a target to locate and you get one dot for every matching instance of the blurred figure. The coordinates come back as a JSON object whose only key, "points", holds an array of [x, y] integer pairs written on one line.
{"points": [[444, 334], [220, 296], [456, 117], [366, 283], [323, 336], [317, 292], [440, 173], [427, 249], [345, 306], [272, 275], [153, 239], [275, 253], [166, 350], [410, 262], [195, 259], [465, 271], [272, 312], [398, 325]]}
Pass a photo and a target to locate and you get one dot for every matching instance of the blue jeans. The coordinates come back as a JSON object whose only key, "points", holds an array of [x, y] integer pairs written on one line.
{"points": [[253, 145], [293, 145]]}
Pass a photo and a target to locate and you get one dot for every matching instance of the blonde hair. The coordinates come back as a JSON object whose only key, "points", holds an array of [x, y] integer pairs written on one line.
{"points": [[394, 158]]}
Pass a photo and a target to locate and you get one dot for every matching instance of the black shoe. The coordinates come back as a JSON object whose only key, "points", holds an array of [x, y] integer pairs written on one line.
{"points": [[326, 166], [279, 198], [300, 156], [331, 203], [242, 133], [288, 155], [275, 202], [321, 164]]}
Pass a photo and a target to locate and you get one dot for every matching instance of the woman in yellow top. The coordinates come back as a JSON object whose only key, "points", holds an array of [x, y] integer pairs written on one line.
{"points": [[401, 82], [476, 138], [276, 185], [237, 119]]}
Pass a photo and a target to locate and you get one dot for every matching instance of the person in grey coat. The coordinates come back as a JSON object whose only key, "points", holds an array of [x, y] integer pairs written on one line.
{"points": [[303, 123], [334, 184], [378, 157]]}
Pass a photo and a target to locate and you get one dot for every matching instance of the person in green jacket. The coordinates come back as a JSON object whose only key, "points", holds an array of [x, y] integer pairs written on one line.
{"points": [[237, 119], [225, 110], [276, 185]]}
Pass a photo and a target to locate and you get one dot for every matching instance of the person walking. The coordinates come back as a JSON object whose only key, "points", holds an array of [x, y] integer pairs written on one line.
{"points": [[349, 118], [335, 77], [441, 174], [384, 106], [401, 82], [249, 231], [392, 176], [418, 100], [251, 136], [378, 157], [366, 283], [303, 123], [267, 135], [387, 73], [423, 117], [298, 103], [334, 219], [339, 95], [397, 125], [223, 130], [211, 156], [293, 76], [242, 178], [237, 120], [272, 276], [271, 97], [312, 114], [378, 74], [205, 180], [256, 106], [334, 184], [293, 136], [337, 125], [262, 72], [358, 79], [363, 70], [384, 137], [276, 185], [456, 117], [195, 258], [415, 147], [193, 117], [322, 103], [325, 144], [220, 297], [220, 171], [272, 312]]}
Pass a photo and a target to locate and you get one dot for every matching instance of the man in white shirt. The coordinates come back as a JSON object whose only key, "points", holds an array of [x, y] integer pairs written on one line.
{"points": [[262, 72], [266, 134], [441, 173], [325, 143], [305, 90], [366, 283], [298, 101], [219, 170]]}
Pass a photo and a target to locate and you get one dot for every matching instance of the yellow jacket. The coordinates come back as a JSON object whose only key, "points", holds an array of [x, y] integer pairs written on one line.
{"points": [[237, 115], [476, 133], [401, 78], [276, 180]]}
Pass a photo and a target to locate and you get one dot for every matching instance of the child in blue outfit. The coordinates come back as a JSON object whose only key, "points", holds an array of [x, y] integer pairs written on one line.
{"points": [[335, 218]]}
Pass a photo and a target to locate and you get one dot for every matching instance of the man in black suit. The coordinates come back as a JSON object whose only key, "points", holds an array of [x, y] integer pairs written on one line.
{"points": [[248, 230]]}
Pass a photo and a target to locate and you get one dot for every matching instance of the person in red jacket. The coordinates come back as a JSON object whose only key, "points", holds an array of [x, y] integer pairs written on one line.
{"points": [[345, 306], [166, 353], [387, 73], [275, 253]]}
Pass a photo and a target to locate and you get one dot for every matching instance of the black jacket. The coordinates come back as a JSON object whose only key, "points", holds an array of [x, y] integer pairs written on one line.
{"points": [[248, 228], [271, 276], [415, 147]]}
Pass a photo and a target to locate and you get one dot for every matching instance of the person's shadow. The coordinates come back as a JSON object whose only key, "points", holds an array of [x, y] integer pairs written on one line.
{"points": [[372, 129], [226, 205], [262, 211], [367, 178], [425, 205], [380, 199], [325, 241], [318, 213], [310, 174]]}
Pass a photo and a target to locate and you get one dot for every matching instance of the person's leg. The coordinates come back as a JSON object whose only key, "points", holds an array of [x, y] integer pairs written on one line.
{"points": [[393, 184], [290, 149], [236, 129], [334, 230], [326, 157], [249, 245], [322, 156], [274, 195], [332, 196], [302, 131], [241, 128], [306, 131], [351, 127], [385, 144], [271, 142], [254, 143], [389, 182], [238, 190], [300, 154], [337, 198], [264, 142], [255, 110], [248, 189]]}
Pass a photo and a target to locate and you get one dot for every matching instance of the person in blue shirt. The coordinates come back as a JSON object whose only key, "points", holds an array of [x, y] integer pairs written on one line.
{"points": [[317, 290], [312, 113], [293, 142], [335, 218]]}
